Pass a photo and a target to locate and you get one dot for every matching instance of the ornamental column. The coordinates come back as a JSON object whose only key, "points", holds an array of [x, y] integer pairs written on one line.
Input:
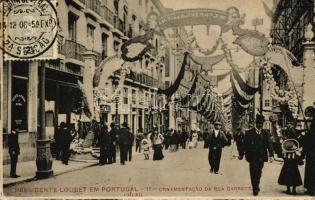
{"points": [[309, 68], [43, 158]]}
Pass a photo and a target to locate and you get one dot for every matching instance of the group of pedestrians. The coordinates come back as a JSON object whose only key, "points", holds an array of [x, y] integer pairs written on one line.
{"points": [[63, 138], [258, 147]]}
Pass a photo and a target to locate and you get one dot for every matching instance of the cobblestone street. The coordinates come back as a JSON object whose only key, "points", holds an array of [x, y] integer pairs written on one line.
{"points": [[183, 173]]}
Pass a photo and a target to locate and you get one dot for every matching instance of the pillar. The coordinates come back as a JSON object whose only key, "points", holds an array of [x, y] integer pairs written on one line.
{"points": [[309, 74], [43, 158], [32, 96], [89, 69]]}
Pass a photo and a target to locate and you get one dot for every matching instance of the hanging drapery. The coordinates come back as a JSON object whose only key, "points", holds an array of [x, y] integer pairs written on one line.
{"points": [[172, 89], [184, 101], [243, 86], [208, 61]]}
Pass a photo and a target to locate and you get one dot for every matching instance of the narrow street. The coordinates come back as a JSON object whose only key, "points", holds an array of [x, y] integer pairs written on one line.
{"points": [[183, 173]]}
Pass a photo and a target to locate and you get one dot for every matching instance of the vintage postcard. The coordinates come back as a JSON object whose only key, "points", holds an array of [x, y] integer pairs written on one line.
{"points": [[157, 99]]}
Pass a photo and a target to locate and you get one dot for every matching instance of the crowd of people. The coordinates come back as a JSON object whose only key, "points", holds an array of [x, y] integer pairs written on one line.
{"points": [[255, 144]]}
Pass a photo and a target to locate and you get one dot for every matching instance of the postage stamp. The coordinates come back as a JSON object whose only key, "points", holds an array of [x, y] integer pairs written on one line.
{"points": [[30, 29]]}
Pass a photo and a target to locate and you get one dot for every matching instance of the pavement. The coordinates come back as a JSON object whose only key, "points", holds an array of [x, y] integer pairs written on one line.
{"points": [[182, 173], [27, 170]]}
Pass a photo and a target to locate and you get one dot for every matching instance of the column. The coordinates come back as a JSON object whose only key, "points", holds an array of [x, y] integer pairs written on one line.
{"points": [[89, 68], [32, 96], [309, 74], [43, 159]]}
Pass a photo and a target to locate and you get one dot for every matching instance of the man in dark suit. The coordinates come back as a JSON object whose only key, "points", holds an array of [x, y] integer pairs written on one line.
{"points": [[257, 144], [130, 145], [124, 142], [216, 140], [114, 137], [239, 139], [14, 151]]}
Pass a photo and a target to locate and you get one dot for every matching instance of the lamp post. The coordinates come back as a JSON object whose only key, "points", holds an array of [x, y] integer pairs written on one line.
{"points": [[43, 158]]}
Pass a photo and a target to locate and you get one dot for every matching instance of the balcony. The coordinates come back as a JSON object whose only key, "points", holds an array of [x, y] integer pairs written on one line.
{"points": [[72, 49], [118, 24], [108, 15], [94, 5]]}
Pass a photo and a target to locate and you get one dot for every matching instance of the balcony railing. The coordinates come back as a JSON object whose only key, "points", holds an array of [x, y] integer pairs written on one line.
{"points": [[118, 24], [94, 5], [72, 49], [107, 14]]}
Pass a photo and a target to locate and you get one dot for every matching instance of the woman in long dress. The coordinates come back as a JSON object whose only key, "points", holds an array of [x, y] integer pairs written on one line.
{"points": [[309, 147], [290, 175], [157, 140]]}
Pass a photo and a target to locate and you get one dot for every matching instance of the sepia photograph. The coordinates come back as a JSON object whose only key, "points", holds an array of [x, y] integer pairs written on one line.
{"points": [[157, 99]]}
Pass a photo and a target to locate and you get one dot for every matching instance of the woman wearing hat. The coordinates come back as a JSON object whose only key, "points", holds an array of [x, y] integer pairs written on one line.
{"points": [[309, 148], [157, 140], [290, 175]]}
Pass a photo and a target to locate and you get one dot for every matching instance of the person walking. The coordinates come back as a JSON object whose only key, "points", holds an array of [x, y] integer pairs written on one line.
{"points": [[183, 139], [290, 175], [145, 145], [239, 140], [124, 141], [139, 138], [114, 138], [309, 151], [105, 141], [66, 141], [58, 139], [132, 137], [14, 151], [157, 140], [257, 144], [194, 139], [217, 140], [205, 138]]}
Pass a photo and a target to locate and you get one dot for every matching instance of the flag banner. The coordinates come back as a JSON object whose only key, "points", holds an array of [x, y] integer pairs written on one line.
{"points": [[185, 100], [197, 103], [243, 86], [173, 88]]}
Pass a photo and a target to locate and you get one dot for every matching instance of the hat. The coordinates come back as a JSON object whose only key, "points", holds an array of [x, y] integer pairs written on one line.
{"points": [[125, 124], [218, 123], [260, 119], [290, 145], [309, 111], [112, 124]]}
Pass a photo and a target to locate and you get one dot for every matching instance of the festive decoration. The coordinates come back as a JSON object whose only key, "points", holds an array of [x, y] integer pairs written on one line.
{"points": [[135, 48], [282, 95]]}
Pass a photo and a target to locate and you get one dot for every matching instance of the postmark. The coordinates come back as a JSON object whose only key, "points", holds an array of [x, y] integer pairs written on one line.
{"points": [[30, 28]]}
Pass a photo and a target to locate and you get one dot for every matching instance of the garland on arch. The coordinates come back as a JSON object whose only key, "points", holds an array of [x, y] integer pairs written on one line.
{"points": [[288, 95]]}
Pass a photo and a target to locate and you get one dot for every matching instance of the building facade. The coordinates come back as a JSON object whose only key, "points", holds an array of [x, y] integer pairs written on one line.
{"points": [[90, 31]]}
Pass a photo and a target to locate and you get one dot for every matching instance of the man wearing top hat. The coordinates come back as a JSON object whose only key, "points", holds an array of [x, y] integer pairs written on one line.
{"points": [[124, 142], [257, 144], [216, 140]]}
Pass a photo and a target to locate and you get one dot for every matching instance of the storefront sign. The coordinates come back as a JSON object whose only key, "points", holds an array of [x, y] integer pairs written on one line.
{"points": [[30, 29]]}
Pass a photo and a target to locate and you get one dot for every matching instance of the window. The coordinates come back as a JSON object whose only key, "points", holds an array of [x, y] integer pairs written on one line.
{"points": [[152, 100], [72, 26], [125, 95], [134, 96], [126, 118], [267, 103], [104, 46], [147, 99], [90, 34]]}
